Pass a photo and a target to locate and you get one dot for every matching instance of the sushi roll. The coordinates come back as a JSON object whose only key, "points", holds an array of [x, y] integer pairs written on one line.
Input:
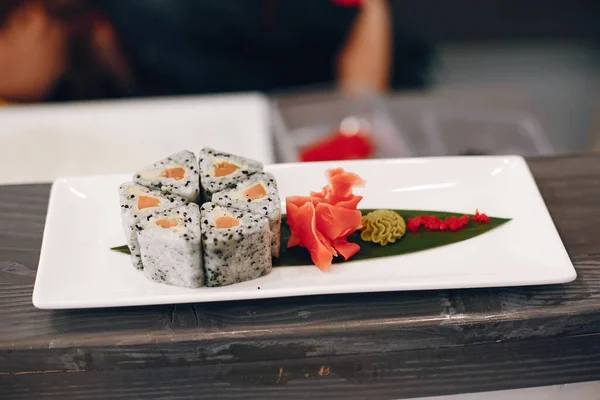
{"points": [[220, 171], [236, 245], [176, 174], [137, 200], [170, 244], [259, 195]]}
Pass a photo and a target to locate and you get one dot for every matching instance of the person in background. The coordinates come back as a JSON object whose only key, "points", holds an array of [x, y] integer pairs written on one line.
{"points": [[61, 50]]}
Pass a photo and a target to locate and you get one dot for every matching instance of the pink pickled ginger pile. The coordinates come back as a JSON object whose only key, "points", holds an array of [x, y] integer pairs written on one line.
{"points": [[322, 221]]}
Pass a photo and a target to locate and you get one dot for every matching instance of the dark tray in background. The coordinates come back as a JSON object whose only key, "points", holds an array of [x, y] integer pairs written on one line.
{"points": [[301, 121], [402, 128]]}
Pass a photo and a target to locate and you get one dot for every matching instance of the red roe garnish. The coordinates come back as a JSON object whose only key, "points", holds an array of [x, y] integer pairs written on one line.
{"points": [[433, 223], [481, 218]]}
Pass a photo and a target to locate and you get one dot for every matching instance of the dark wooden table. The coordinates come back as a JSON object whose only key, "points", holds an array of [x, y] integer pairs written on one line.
{"points": [[375, 346]]}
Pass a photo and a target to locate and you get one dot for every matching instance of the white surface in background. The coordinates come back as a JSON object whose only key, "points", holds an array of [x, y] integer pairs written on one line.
{"points": [[575, 391], [562, 80], [77, 269], [42, 142]]}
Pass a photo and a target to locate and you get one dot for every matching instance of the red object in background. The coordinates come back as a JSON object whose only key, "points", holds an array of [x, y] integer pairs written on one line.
{"points": [[339, 147], [348, 3]]}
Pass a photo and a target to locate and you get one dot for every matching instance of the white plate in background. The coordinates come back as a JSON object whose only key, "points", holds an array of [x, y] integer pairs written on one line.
{"points": [[108, 137], [77, 269]]}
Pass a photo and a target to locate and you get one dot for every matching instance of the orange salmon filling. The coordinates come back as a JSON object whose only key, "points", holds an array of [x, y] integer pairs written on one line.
{"points": [[226, 222], [147, 202], [167, 222], [175, 173], [224, 168], [255, 192]]}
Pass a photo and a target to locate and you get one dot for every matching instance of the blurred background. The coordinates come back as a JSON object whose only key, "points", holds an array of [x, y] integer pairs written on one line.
{"points": [[287, 81]]}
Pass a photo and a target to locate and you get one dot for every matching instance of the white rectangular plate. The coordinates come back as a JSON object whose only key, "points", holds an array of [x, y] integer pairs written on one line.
{"points": [[77, 269]]}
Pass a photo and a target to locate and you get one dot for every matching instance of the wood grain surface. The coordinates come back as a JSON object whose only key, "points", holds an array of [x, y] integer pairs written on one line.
{"points": [[386, 345]]}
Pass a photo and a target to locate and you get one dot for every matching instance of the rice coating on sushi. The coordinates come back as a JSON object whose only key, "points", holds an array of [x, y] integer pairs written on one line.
{"points": [[236, 245], [259, 195], [220, 170], [177, 174], [137, 200], [170, 246]]}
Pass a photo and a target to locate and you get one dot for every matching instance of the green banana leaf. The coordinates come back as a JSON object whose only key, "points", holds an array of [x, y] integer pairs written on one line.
{"points": [[121, 249], [409, 243]]}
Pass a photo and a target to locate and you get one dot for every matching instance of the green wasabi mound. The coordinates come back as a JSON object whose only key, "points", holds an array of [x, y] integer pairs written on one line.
{"points": [[382, 226]]}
